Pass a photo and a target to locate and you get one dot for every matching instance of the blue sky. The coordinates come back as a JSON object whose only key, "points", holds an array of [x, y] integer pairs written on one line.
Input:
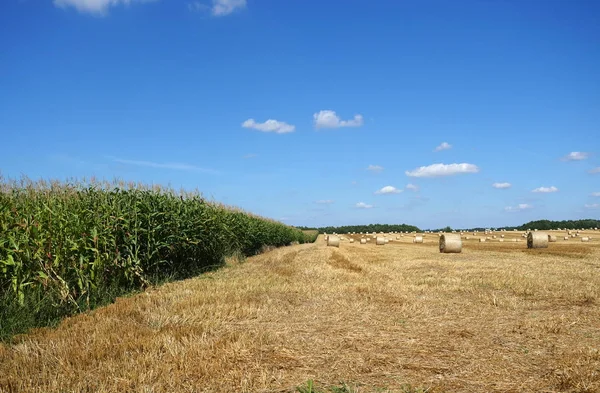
{"points": [[432, 113]]}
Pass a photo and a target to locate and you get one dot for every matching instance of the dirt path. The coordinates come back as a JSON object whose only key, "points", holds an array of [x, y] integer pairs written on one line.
{"points": [[399, 317]]}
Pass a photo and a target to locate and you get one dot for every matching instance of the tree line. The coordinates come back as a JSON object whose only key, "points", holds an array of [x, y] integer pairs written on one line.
{"points": [[366, 228], [543, 225]]}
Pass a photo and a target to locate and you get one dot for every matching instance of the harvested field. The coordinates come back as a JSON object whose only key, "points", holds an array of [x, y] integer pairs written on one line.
{"points": [[401, 318]]}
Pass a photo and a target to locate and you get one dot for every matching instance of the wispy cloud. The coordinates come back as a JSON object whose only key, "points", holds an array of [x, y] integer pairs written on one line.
{"points": [[329, 119], [594, 170], [388, 190], [362, 205], [592, 206], [436, 170], [596, 194], [502, 186], [518, 208], [324, 202], [545, 190], [375, 168], [575, 156], [96, 7], [278, 127], [251, 155], [412, 187], [218, 7], [169, 165], [443, 146]]}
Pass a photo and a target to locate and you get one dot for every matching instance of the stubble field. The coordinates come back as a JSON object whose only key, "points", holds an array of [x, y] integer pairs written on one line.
{"points": [[359, 318]]}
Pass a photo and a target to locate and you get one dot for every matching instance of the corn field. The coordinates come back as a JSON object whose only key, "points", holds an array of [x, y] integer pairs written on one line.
{"points": [[63, 243]]}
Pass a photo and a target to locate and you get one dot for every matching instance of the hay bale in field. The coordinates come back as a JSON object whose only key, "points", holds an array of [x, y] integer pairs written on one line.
{"points": [[380, 241], [368, 239], [585, 239], [481, 240], [333, 241], [351, 240], [551, 238], [566, 238], [363, 241], [466, 237], [418, 239], [502, 236], [450, 243], [537, 240], [493, 237], [397, 237], [515, 240], [501, 240], [386, 241]]}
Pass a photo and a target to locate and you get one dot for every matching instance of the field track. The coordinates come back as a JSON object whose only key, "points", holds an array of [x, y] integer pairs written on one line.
{"points": [[399, 318]]}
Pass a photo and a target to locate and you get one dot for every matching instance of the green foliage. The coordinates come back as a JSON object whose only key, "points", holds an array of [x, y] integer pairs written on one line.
{"points": [[545, 225], [64, 246], [369, 228]]}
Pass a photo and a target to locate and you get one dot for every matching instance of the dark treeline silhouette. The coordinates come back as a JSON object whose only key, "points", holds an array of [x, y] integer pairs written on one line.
{"points": [[366, 228], [565, 224], [539, 224]]}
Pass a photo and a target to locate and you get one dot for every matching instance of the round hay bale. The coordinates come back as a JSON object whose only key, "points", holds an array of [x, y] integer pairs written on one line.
{"points": [[502, 236], [363, 241], [481, 240], [380, 241], [402, 235], [386, 241], [450, 243], [566, 238], [397, 237], [537, 240], [418, 239], [351, 240], [551, 238], [501, 240], [333, 241], [368, 239], [466, 237], [493, 237], [585, 239]]}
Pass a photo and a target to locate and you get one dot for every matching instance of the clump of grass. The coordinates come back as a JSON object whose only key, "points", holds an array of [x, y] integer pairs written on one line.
{"points": [[70, 246]]}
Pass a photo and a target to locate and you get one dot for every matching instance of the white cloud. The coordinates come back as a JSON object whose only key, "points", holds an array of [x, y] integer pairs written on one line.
{"points": [[594, 170], [388, 190], [98, 7], [518, 208], [362, 205], [324, 202], [329, 119], [169, 165], [575, 156], [435, 170], [375, 168], [545, 189], [278, 127], [596, 194], [412, 187], [226, 7], [251, 155], [443, 146], [592, 206], [502, 186]]}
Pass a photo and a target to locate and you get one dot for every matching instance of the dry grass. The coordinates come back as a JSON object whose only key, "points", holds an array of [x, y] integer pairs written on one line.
{"points": [[495, 318]]}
